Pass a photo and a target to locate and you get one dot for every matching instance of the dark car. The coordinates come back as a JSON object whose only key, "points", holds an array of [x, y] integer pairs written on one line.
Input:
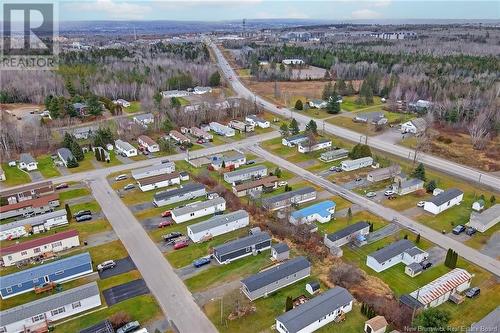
{"points": [[130, 327], [426, 264], [165, 161], [473, 292], [82, 213], [83, 218], [250, 162], [61, 186], [458, 229], [201, 262], [470, 231], [172, 235]]}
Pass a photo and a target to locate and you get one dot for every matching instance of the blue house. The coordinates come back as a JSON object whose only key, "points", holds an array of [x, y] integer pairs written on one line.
{"points": [[56, 271], [321, 212]]}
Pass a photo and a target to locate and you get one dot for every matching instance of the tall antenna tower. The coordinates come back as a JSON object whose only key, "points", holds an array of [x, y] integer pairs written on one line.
{"points": [[244, 26]]}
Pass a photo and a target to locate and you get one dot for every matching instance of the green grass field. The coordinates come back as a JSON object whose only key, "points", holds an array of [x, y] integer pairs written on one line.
{"points": [[133, 108], [84, 165], [343, 222], [14, 176], [93, 206], [46, 166], [73, 193]]}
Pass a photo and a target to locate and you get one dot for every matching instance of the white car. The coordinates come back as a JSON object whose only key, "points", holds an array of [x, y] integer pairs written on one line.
{"points": [[371, 194], [108, 264], [421, 204], [121, 177], [389, 193], [282, 183]]}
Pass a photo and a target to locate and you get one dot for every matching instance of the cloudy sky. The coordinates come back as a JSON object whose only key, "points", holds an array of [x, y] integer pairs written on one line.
{"points": [[206, 10]]}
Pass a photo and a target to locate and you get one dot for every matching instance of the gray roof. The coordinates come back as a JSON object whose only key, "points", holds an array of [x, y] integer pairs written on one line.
{"points": [[410, 301], [335, 153], [142, 117], [218, 220], [46, 269], [281, 247], [242, 243], [271, 275], [288, 195], [419, 123], [486, 217], [315, 309], [415, 267], [124, 145], [198, 206], [85, 129], [446, 196], [49, 303], [411, 182], [26, 158], [347, 231], [189, 187], [414, 251], [35, 220], [392, 250], [490, 321], [256, 119], [140, 171], [65, 153], [300, 136], [245, 171]]}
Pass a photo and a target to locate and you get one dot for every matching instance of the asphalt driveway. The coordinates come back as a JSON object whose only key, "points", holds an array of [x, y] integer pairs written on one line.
{"points": [[122, 266], [125, 291]]}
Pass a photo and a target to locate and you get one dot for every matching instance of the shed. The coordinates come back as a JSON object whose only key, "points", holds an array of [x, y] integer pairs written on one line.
{"points": [[377, 324], [280, 251], [413, 269], [313, 287], [478, 205]]}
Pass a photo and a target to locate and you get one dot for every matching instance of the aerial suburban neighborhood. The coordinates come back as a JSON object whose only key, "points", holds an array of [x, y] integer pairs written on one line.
{"points": [[181, 169]]}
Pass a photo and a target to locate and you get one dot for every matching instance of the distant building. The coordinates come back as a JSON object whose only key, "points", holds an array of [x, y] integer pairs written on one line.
{"points": [[83, 133], [27, 192], [122, 102], [286, 199], [158, 181], [148, 143], [376, 118], [240, 175], [32, 207], [200, 134], [402, 251], [478, 205], [334, 155], [179, 137], [350, 165], [241, 126], [294, 140], [265, 184], [444, 201], [186, 192], [34, 225], [27, 162], [485, 220], [242, 247], [306, 146], [198, 209], [218, 225], [80, 108], [407, 186], [153, 170], [201, 90], [293, 62], [321, 212], [65, 155], [414, 126], [222, 130], [257, 121], [125, 148], [230, 160], [318, 103], [174, 93], [383, 173]]}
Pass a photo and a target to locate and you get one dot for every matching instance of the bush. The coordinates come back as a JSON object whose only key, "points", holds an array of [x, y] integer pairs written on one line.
{"points": [[119, 319]]}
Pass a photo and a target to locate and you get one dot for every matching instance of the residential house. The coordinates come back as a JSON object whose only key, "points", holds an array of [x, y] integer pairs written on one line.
{"points": [[2, 175], [230, 160], [222, 129], [406, 186], [27, 162], [65, 155], [381, 174], [218, 225], [198, 209], [294, 140], [200, 134], [80, 108], [375, 118], [33, 225], [490, 321], [280, 252], [414, 126], [444, 200], [318, 103], [419, 106], [441, 289], [414, 269], [293, 62], [148, 143], [264, 184], [178, 137], [257, 121], [286, 199], [478, 205], [55, 271], [352, 233], [186, 192], [184, 176], [27, 192], [241, 126], [153, 170], [39, 247], [350, 165], [307, 146], [122, 102], [242, 247], [35, 316], [201, 90], [158, 181], [402, 251], [377, 324], [32, 207], [174, 93], [332, 305], [334, 155], [241, 175], [321, 212], [272, 279], [485, 220], [125, 148], [83, 133]]}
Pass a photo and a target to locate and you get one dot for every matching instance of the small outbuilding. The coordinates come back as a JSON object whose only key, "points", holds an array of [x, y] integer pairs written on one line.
{"points": [[313, 287], [280, 252], [413, 269], [478, 205], [377, 324]]}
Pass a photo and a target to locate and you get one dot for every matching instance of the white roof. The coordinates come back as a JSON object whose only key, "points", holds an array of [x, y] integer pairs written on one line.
{"points": [[442, 285]]}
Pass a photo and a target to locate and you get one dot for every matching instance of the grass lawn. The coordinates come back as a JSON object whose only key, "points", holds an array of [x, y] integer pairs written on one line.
{"points": [[136, 196], [225, 273], [118, 279], [14, 176], [46, 166], [84, 165], [343, 222], [134, 107], [349, 104], [109, 251], [347, 122], [112, 160], [403, 202], [71, 194], [141, 308], [243, 72], [93, 206], [183, 101], [316, 113]]}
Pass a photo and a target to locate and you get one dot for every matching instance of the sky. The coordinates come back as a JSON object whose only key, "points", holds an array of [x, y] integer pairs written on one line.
{"points": [[206, 10]]}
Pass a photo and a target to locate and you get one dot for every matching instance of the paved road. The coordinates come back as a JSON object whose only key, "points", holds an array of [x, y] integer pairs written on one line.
{"points": [[388, 214], [174, 298], [440, 164]]}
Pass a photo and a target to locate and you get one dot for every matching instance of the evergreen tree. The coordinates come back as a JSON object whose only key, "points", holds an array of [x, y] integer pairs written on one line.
{"points": [[103, 155], [430, 186], [453, 260], [419, 172], [166, 125], [97, 155], [417, 239], [94, 107], [284, 130], [493, 200], [294, 127], [175, 102], [371, 227], [312, 127], [288, 303], [277, 172], [327, 91], [54, 108], [68, 212], [103, 137], [77, 151], [359, 151], [299, 105], [72, 163], [157, 97], [434, 318], [349, 214], [333, 106], [214, 79], [68, 140], [341, 87], [70, 88]]}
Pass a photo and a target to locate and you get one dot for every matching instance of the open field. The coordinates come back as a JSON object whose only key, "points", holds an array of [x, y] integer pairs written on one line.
{"points": [[343, 222], [74, 193]]}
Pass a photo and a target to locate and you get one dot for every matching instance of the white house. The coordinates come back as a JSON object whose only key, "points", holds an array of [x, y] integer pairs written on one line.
{"points": [[158, 181], [218, 225], [321, 212], [153, 170], [36, 315], [35, 224], [414, 126], [241, 126], [27, 162], [350, 165], [198, 209], [293, 62], [125, 148], [306, 147], [148, 143], [122, 102], [318, 103], [65, 155], [294, 140], [222, 129], [402, 251], [231, 160], [201, 90], [144, 119], [485, 220], [174, 93], [444, 200], [257, 121], [353, 232], [178, 137], [199, 133], [310, 316]]}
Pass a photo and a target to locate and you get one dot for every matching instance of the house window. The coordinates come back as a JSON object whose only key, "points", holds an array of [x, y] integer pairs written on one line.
{"points": [[35, 280], [248, 249], [38, 317], [19, 285], [36, 250], [9, 257], [59, 272], [23, 253], [76, 305], [57, 311], [8, 290], [56, 244]]}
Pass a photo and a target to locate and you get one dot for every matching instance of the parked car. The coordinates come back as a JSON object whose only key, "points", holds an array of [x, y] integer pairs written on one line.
{"points": [[83, 218], [458, 229], [426, 264], [181, 244], [358, 179], [82, 212], [166, 213], [121, 177], [473, 292], [166, 223], [129, 327], [128, 187], [172, 235], [61, 186], [335, 169], [165, 161], [421, 204], [282, 183], [250, 162], [389, 193], [145, 152], [371, 194], [200, 141], [470, 231], [108, 264], [201, 262]]}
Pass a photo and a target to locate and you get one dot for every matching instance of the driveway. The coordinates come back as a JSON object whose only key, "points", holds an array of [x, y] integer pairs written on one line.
{"points": [[356, 184], [125, 291], [391, 136], [152, 223], [140, 207], [36, 176], [382, 232], [204, 297], [122, 266], [123, 159], [492, 247], [189, 270], [436, 255], [100, 238]]}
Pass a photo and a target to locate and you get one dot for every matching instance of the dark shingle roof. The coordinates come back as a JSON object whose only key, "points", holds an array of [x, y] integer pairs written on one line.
{"points": [[392, 250], [190, 187], [104, 326], [288, 195], [446, 196], [241, 243], [280, 248], [318, 307], [347, 231], [410, 301], [276, 273]]}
